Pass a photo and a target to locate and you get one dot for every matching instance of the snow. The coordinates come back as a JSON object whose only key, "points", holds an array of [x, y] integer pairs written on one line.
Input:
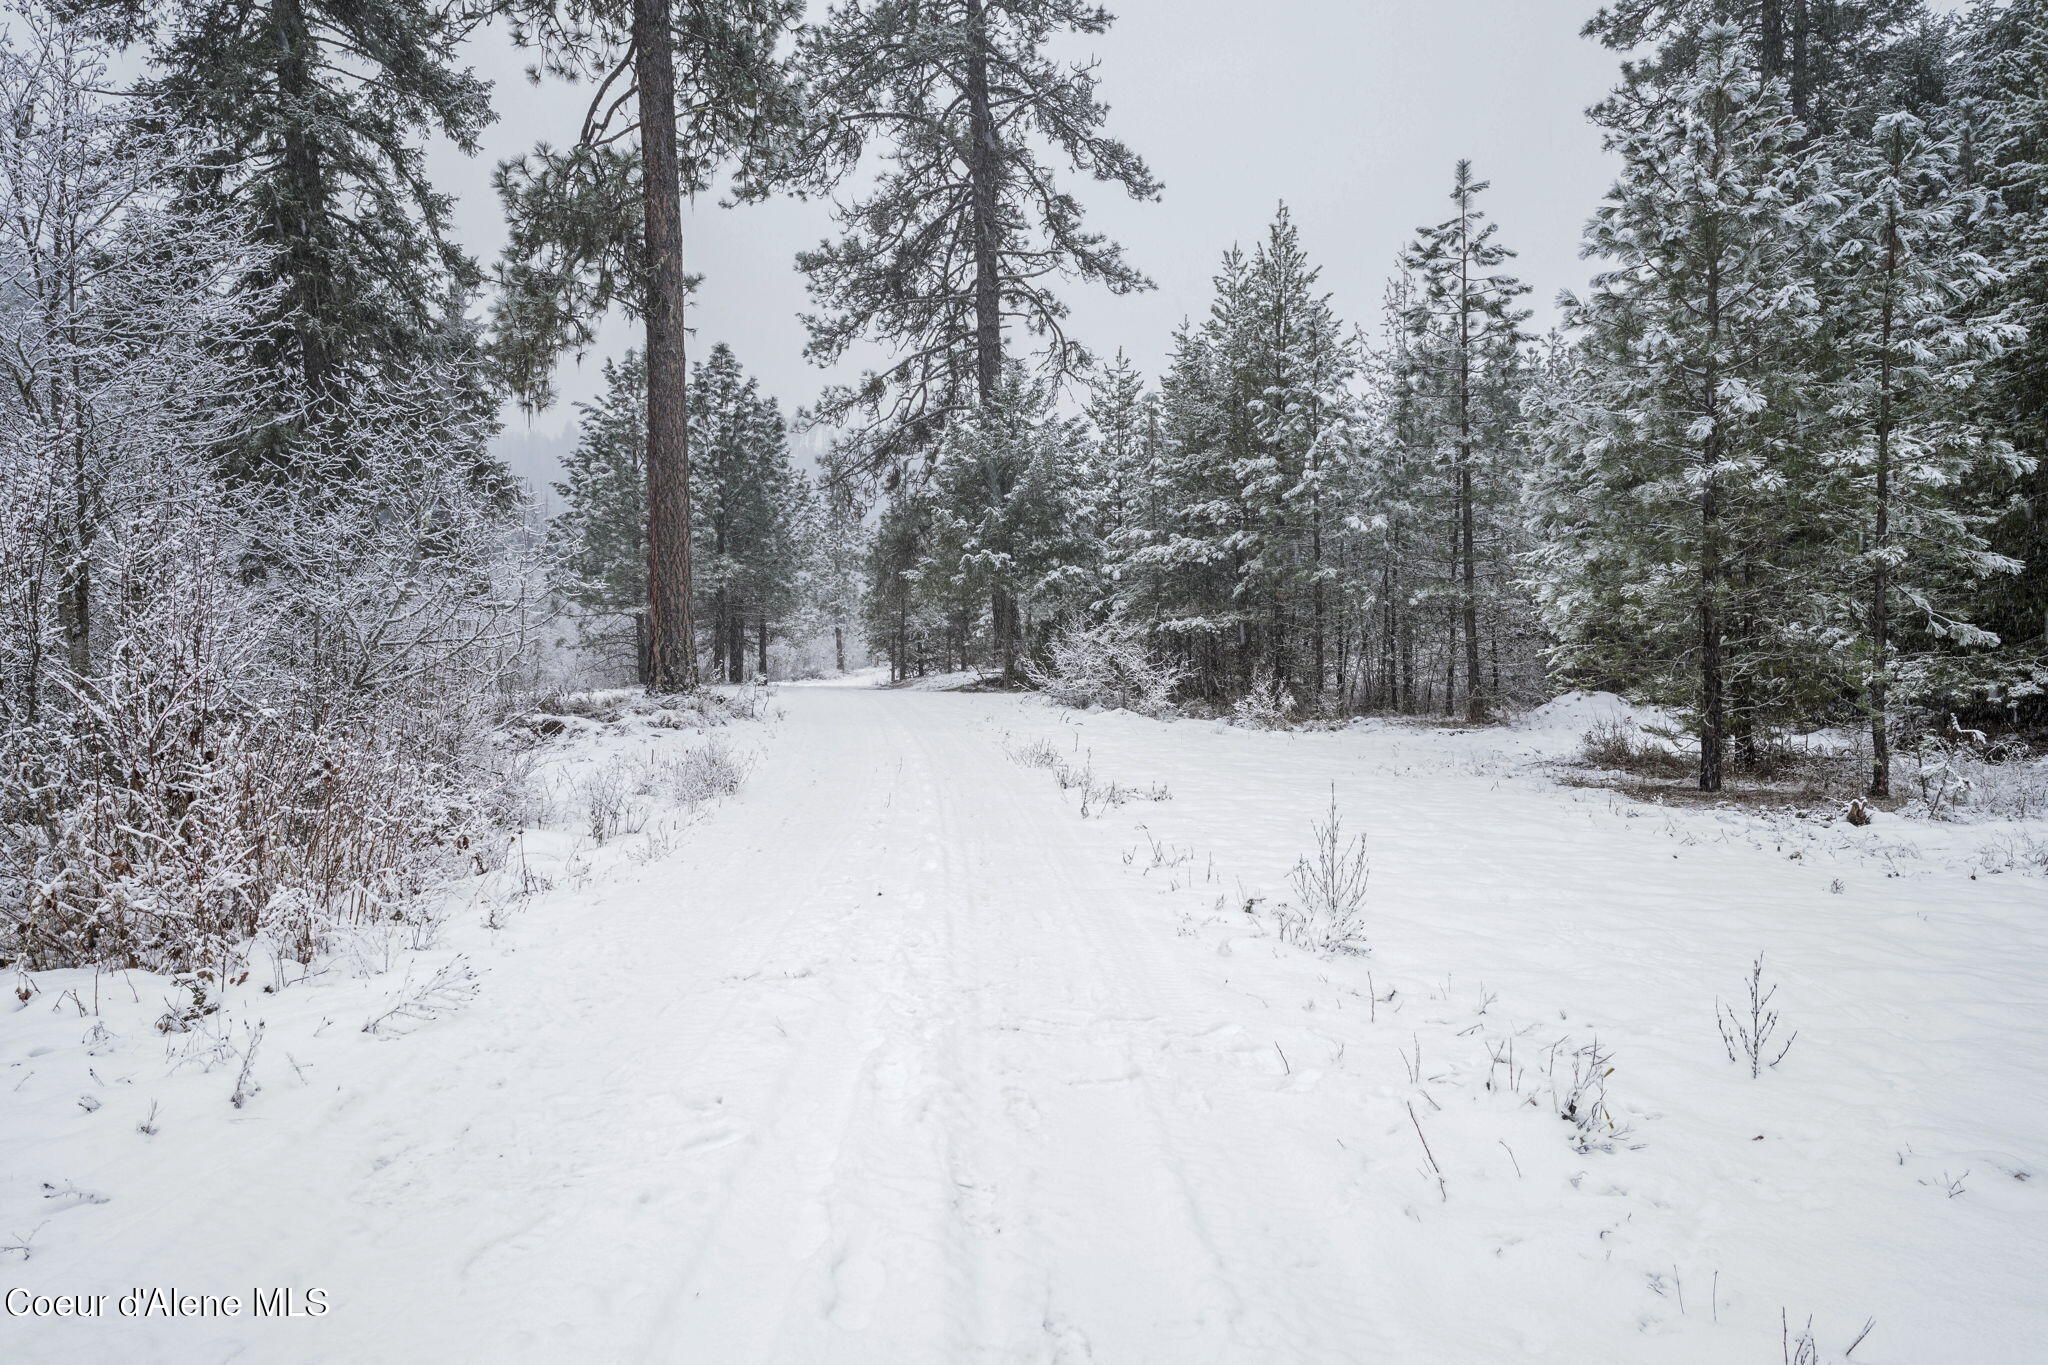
{"points": [[1570, 716], [896, 1056]]}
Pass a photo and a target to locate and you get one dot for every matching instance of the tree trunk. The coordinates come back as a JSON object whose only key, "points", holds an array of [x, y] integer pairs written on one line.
{"points": [[982, 174], [718, 630], [1451, 618], [1319, 611], [839, 647], [1713, 706], [296, 218], [1881, 531], [673, 644], [984, 153], [735, 644]]}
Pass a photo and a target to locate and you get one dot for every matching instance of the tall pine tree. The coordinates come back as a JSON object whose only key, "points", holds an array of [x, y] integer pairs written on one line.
{"points": [[959, 239], [1464, 303], [677, 92], [1664, 474]]}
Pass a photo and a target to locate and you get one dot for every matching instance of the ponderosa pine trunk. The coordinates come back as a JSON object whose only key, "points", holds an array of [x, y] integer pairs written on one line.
{"points": [[672, 642], [983, 155]]}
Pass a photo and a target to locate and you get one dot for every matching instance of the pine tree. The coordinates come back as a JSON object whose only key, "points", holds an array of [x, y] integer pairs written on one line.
{"points": [[600, 222], [1298, 369], [1664, 475], [1829, 55], [1399, 489], [836, 547], [906, 614], [1119, 502], [745, 499], [2003, 76], [598, 542], [1461, 301], [1006, 514], [318, 111], [1183, 577], [1900, 332], [964, 231]]}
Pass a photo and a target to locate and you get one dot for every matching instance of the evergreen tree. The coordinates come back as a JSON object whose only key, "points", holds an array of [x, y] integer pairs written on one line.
{"points": [[1831, 56], [836, 549], [1901, 334], [2003, 76], [906, 616], [1664, 477], [1006, 514], [745, 498], [1464, 304], [748, 505], [1116, 487], [600, 222], [1183, 576], [1299, 366], [598, 542], [963, 232], [1399, 485], [318, 111]]}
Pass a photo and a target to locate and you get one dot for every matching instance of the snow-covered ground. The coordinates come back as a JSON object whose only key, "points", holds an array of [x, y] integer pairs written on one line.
{"points": [[896, 1056]]}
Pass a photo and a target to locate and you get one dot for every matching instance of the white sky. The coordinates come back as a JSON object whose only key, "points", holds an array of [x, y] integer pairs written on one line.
{"points": [[1353, 111]]}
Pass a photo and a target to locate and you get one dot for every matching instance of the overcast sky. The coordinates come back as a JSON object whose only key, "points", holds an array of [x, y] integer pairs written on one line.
{"points": [[1353, 111]]}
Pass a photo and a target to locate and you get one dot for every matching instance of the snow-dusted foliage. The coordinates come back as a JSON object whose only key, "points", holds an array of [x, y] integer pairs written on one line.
{"points": [[228, 709], [1110, 665]]}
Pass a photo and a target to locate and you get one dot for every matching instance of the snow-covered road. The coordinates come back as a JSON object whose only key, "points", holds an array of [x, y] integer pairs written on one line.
{"points": [[898, 1058]]}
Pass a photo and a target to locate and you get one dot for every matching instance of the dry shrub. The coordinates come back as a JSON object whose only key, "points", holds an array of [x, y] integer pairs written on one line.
{"points": [[1618, 746]]}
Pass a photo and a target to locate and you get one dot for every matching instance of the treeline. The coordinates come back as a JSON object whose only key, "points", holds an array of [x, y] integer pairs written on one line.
{"points": [[1778, 468]]}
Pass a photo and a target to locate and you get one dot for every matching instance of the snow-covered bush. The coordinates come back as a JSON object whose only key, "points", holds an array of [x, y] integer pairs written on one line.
{"points": [[227, 710], [1265, 704], [703, 773], [1037, 753], [1109, 665], [1963, 777], [1578, 1094]]}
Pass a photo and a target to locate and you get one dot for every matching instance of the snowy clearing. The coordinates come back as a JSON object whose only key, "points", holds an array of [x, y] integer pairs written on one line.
{"points": [[896, 1056]]}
